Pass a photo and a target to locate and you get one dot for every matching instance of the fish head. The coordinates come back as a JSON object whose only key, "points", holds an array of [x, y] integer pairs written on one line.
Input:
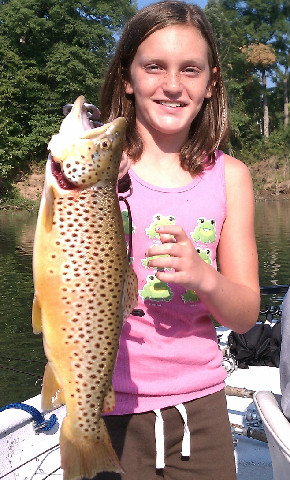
{"points": [[80, 156]]}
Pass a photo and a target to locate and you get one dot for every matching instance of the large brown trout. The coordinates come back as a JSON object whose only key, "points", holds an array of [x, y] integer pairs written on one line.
{"points": [[84, 287]]}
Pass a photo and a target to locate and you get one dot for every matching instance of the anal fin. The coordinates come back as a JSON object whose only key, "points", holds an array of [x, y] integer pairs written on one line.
{"points": [[51, 394]]}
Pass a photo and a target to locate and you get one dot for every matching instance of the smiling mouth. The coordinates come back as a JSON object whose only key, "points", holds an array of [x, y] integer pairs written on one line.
{"points": [[170, 104]]}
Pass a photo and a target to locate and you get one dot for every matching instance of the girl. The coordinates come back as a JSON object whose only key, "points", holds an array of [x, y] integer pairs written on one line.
{"points": [[190, 202]]}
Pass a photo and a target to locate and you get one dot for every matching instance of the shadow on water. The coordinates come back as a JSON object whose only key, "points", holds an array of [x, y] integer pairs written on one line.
{"points": [[22, 351]]}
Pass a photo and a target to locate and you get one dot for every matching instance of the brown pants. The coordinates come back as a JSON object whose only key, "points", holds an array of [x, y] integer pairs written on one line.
{"points": [[211, 458]]}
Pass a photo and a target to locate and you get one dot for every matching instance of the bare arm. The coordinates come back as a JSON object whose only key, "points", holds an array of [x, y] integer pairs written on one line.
{"points": [[231, 295]]}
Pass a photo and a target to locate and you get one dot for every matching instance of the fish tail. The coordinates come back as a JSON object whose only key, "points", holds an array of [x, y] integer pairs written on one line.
{"points": [[82, 457]]}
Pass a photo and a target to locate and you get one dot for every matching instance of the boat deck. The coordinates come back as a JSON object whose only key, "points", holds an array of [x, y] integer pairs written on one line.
{"points": [[31, 456]]}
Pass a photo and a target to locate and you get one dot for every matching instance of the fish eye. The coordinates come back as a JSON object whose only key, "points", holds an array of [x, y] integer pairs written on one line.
{"points": [[106, 144]]}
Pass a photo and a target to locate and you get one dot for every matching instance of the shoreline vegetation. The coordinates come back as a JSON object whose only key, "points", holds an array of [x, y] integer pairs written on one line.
{"points": [[271, 179]]}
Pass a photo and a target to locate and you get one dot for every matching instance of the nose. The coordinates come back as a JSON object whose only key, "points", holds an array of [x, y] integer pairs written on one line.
{"points": [[172, 83]]}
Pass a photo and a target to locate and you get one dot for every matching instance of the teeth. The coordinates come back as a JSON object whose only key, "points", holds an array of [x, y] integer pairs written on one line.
{"points": [[171, 104]]}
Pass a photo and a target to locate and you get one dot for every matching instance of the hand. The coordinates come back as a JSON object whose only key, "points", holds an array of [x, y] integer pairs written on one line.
{"points": [[124, 165], [190, 270]]}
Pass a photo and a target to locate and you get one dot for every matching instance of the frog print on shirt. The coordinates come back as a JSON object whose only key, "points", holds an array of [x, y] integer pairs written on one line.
{"points": [[126, 223], [155, 290], [190, 295], [158, 220], [205, 231]]}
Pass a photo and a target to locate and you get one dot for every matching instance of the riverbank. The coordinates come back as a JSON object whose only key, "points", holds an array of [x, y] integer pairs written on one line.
{"points": [[271, 181]]}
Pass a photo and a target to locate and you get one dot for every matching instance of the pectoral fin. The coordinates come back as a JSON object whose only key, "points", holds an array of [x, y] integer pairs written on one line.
{"points": [[51, 394], [36, 316], [48, 209], [130, 296]]}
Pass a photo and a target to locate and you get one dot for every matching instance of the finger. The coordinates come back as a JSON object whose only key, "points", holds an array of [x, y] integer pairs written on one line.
{"points": [[175, 230], [165, 238], [168, 277], [162, 262], [163, 249]]}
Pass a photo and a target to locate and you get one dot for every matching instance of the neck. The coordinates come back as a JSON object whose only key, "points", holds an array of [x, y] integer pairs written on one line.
{"points": [[162, 142], [161, 169], [159, 163]]}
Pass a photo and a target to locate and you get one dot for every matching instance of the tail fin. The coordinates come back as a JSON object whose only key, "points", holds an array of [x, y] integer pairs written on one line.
{"points": [[85, 457]]}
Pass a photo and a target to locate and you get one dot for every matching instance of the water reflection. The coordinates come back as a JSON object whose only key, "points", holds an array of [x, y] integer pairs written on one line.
{"points": [[273, 242], [21, 352]]}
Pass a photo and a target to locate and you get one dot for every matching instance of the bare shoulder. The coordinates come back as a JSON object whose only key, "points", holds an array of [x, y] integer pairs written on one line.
{"points": [[238, 178], [235, 169]]}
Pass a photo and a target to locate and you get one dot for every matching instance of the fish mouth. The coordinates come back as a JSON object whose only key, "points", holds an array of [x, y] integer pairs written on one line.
{"points": [[62, 181]]}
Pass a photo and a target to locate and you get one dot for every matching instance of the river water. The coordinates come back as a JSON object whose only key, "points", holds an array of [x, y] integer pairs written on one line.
{"points": [[21, 353]]}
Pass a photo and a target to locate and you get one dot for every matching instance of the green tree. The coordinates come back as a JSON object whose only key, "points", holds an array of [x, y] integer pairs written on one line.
{"points": [[51, 51], [264, 25], [245, 32]]}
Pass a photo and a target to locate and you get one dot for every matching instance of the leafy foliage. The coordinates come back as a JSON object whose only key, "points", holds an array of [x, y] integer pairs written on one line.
{"points": [[51, 51], [253, 41]]}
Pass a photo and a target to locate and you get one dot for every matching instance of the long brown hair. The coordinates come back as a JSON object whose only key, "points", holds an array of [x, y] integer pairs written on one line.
{"points": [[210, 127]]}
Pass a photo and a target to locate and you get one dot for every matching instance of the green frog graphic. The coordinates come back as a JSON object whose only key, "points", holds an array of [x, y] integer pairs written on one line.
{"points": [[159, 220], [190, 295], [155, 290], [204, 254], [126, 222], [204, 231]]}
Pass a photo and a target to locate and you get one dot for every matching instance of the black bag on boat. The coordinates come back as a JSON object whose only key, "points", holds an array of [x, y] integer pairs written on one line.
{"points": [[259, 346]]}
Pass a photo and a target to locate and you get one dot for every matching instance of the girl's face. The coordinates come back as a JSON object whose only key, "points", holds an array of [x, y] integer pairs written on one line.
{"points": [[170, 77]]}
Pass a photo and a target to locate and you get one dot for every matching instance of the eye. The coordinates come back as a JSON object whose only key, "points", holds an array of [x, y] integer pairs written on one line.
{"points": [[106, 144], [191, 70], [152, 67]]}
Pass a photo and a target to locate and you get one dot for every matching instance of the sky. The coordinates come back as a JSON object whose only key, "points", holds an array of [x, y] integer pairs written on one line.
{"points": [[144, 3]]}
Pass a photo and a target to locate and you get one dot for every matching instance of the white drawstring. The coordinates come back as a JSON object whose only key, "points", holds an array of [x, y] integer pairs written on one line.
{"points": [[159, 436], [185, 452], [159, 439]]}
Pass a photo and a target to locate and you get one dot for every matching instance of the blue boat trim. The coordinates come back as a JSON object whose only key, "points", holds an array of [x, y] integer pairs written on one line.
{"points": [[41, 425]]}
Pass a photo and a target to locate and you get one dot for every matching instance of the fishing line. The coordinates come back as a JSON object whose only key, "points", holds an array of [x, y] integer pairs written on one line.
{"points": [[30, 460], [23, 359], [20, 371], [51, 473]]}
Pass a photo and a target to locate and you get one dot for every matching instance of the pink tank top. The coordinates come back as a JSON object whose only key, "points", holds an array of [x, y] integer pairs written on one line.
{"points": [[170, 355]]}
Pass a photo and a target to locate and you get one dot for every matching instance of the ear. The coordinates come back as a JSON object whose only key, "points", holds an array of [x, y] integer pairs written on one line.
{"points": [[212, 83], [128, 87]]}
